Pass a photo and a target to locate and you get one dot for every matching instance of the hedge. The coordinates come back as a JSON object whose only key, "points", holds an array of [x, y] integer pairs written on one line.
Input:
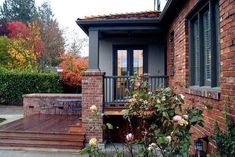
{"points": [[13, 84]]}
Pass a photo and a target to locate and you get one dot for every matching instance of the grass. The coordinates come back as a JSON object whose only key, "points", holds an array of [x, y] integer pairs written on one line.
{"points": [[2, 120]]}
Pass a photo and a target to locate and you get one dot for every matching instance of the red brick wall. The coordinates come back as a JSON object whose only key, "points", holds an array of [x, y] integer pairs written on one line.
{"points": [[51, 104], [180, 80], [92, 94]]}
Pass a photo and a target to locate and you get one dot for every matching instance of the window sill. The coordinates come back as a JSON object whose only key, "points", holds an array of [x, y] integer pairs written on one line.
{"points": [[205, 91]]}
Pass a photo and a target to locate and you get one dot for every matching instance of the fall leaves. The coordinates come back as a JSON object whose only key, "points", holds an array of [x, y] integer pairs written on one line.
{"points": [[23, 48], [31, 39], [73, 66], [24, 44]]}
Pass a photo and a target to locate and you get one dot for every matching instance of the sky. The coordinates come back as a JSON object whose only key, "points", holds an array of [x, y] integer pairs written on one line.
{"points": [[67, 11]]}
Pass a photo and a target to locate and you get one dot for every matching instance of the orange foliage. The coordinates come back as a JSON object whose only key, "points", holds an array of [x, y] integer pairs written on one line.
{"points": [[72, 66]]}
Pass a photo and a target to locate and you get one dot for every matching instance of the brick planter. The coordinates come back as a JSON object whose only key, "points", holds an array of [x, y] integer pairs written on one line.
{"points": [[50, 104]]}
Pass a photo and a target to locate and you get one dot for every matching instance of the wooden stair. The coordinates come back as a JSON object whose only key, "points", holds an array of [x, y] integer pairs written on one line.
{"points": [[16, 134], [42, 140], [76, 129]]}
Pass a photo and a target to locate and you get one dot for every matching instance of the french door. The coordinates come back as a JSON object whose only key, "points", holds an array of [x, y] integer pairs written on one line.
{"points": [[128, 60]]}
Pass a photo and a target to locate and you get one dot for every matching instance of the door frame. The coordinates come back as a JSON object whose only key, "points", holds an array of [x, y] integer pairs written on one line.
{"points": [[129, 48]]}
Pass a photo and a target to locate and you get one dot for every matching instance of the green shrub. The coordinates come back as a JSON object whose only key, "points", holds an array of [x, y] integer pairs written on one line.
{"points": [[225, 140], [15, 83], [2, 120]]}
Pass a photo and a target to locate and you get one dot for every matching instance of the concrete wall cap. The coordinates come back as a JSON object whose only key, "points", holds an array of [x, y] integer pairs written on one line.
{"points": [[51, 95]]}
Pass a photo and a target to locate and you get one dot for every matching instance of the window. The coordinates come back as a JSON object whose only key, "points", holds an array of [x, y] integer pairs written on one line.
{"points": [[204, 44]]}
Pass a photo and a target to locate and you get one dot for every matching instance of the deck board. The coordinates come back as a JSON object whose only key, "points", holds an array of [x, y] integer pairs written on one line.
{"points": [[42, 123], [43, 131]]}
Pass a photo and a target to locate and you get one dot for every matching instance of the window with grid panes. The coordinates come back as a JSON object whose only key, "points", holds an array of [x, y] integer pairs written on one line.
{"points": [[204, 45]]}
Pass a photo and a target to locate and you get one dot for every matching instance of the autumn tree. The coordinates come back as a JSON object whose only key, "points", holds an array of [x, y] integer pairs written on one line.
{"points": [[17, 29], [5, 57], [18, 10], [73, 66], [25, 45], [52, 36], [17, 33], [34, 40]]}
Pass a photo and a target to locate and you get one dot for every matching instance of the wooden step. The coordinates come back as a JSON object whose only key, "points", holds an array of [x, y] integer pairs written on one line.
{"points": [[76, 129], [43, 136], [42, 140], [43, 131], [77, 147]]}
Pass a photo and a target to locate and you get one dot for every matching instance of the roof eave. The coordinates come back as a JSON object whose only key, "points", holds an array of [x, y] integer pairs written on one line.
{"points": [[85, 24], [170, 10]]}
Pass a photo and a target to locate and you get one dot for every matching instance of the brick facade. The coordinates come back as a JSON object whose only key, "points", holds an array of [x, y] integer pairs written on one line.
{"points": [[180, 79], [92, 94]]}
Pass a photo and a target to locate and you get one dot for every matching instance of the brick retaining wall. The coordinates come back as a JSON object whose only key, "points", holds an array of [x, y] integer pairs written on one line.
{"points": [[52, 104]]}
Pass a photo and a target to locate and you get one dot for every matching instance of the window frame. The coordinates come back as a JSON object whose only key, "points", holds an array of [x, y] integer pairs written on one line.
{"points": [[197, 14]]}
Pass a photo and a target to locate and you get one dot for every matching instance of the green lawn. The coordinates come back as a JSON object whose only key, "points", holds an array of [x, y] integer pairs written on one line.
{"points": [[2, 120]]}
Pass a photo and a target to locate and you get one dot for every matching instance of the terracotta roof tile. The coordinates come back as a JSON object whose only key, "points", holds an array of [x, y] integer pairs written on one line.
{"points": [[133, 15]]}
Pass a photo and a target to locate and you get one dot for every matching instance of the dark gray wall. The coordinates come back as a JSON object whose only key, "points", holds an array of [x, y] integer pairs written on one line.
{"points": [[155, 47]]}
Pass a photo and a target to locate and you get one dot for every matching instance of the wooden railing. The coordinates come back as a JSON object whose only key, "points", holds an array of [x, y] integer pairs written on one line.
{"points": [[116, 87]]}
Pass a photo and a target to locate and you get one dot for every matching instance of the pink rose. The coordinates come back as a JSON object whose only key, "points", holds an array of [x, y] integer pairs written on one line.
{"points": [[129, 137], [137, 84], [177, 118]]}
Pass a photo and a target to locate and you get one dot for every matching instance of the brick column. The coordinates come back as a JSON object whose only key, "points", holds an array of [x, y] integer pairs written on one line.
{"points": [[92, 94]]}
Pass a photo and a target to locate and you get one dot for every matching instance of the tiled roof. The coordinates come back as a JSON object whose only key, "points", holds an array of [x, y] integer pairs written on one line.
{"points": [[133, 15]]}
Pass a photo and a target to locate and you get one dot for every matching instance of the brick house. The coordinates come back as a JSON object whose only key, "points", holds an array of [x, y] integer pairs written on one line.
{"points": [[190, 46]]}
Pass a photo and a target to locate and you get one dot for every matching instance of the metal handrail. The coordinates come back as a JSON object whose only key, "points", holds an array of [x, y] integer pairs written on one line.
{"points": [[116, 87]]}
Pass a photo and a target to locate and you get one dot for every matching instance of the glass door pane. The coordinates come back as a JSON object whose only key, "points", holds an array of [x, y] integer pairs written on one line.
{"points": [[138, 59], [122, 70], [122, 63]]}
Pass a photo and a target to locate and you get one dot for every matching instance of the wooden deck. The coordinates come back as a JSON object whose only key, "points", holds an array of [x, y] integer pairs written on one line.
{"points": [[43, 131]]}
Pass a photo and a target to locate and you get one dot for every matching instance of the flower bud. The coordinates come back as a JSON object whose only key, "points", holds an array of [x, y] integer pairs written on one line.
{"points": [[137, 84], [93, 108], [93, 142], [177, 118], [129, 137]]}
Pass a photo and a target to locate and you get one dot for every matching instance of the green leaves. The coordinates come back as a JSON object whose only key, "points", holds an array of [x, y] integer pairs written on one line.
{"points": [[2, 120], [13, 84], [225, 139], [15, 10], [109, 126], [171, 136]]}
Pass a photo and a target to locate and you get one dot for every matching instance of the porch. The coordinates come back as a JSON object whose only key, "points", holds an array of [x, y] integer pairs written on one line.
{"points": [[123, 51], [120, 46]]}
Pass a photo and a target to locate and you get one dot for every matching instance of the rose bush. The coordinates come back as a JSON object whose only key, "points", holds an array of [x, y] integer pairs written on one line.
{"points": [[165, 125]]}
